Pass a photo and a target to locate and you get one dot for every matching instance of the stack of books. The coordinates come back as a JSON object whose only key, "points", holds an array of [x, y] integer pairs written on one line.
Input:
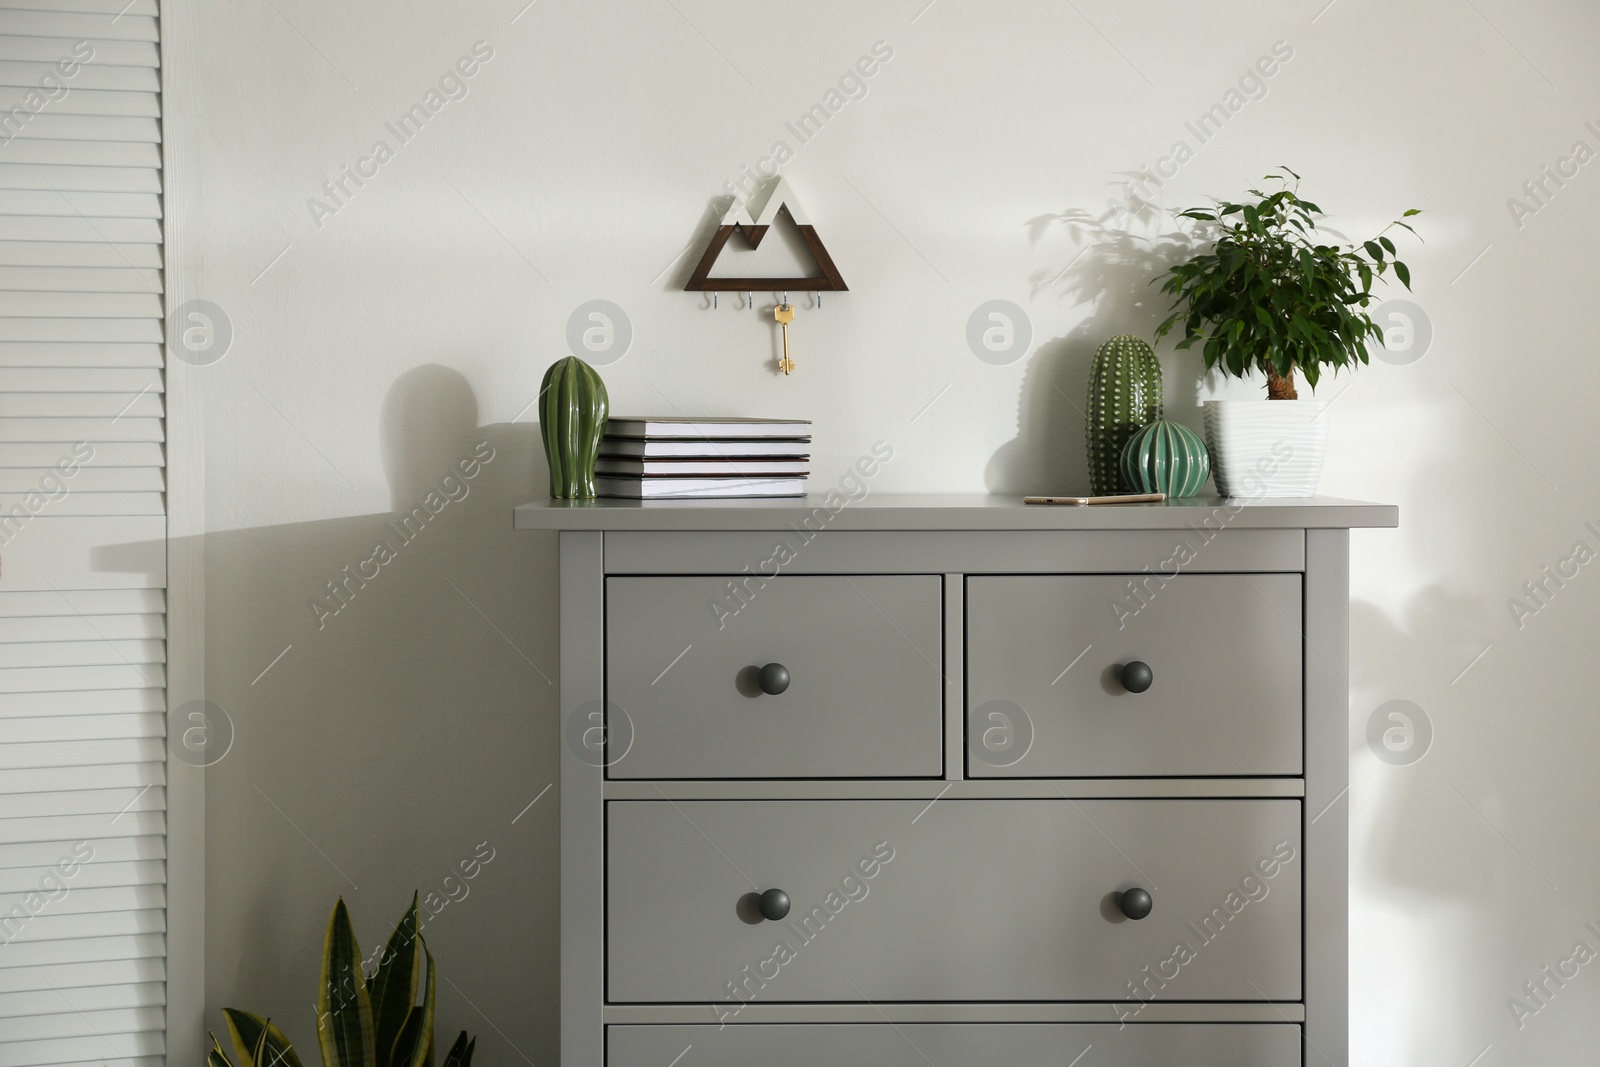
{"points": [[699, 458]]}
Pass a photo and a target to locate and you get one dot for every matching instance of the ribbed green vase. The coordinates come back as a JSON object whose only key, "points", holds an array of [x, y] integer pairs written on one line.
{"points": [[572, 417], [1125, 393], [1166, 457]]}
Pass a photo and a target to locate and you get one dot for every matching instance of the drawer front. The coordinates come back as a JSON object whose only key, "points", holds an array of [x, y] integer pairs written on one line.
{"points": [[1045, 698], [956, 1045], [972, 900], [864, 696]]}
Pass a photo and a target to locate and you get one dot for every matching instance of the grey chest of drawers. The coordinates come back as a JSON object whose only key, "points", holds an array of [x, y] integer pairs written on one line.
{"points": [[954, 781]]}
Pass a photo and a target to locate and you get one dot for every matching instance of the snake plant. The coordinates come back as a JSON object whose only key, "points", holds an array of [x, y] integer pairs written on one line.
{"points": [[361, 1022]]}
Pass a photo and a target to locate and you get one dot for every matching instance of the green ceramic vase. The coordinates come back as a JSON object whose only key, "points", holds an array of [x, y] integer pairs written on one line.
{"points": [[1166, 457], [572, 417]]}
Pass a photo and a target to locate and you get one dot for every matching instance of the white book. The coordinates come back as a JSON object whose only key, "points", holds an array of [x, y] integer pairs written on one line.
{"points": [[647, 488], [707, 426], [703, 448], [724, 468]]}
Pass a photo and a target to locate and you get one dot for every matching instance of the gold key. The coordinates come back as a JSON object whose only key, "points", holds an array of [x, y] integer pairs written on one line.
{"points": [[784, 313]]}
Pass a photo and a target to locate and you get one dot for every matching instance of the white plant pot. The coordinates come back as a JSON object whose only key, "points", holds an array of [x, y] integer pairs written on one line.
{"points": [[1266, 448]]}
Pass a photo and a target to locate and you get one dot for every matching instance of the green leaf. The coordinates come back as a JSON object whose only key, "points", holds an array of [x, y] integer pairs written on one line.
{"points": [[1403, 272], [460, 1054], [1373, 250], [393, 987], [414, 1046], [1410, 211], [257, 1041], [1387, 244], [344, 1010], [215, 1057]]}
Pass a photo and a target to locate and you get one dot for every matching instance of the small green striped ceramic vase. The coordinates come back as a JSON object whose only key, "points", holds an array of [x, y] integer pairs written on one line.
{"points": [[572, 417], [1166, 457]]}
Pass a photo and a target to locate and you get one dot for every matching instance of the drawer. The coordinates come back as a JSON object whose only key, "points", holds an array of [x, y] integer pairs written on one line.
{"points": [[963, 900], [863, 655], [956, 1045], [1045, 697]]}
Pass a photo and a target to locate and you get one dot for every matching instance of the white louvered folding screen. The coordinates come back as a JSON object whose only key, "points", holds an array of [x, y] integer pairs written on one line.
{"points": [[82, 536]]}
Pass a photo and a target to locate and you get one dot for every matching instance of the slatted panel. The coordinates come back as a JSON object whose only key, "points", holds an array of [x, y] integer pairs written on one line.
{"points": [[83, 101], [84, 153], [143, 403], [67, 430], [46, 353], [124, 1050], [74, 179], [88, 801], [95, 75], [81, 629], [46, 50], [98, 875], [78, 380], [87, 480], [59, 201], [90, 998], [117, 279], [81, 254], [140, 331], [149, 601], [82, 537], [81, 976], [49, 779], [92, 7]]}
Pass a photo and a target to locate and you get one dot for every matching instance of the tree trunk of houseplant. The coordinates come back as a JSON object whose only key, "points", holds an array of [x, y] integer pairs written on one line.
{"points": [[1279, 387]]}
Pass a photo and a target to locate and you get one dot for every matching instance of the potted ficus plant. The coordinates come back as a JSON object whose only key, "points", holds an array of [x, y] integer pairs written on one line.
{"points": [[1275, 297]]}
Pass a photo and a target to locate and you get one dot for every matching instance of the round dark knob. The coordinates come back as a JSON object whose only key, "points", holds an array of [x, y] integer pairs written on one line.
{"points": [[775, 904], [774, 680], [1137, 676], [1135, 903]]}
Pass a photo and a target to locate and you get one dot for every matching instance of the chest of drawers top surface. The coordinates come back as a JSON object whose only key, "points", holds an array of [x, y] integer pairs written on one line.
{"points": [[918, 511]]}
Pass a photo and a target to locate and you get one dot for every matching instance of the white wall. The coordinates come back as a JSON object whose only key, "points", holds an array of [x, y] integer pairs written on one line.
{"points": [[389, 340]]}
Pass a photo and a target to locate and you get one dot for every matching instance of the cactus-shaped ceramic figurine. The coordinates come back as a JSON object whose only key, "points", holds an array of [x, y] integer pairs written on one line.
{"points": [[1125, 393], [572, 417]]}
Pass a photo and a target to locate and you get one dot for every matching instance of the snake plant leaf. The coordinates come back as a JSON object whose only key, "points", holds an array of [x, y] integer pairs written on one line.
{"points": [[414, 1047], [217, 1058], [344, 1010], [258, 1042], [460, 1054], [393, 987]]}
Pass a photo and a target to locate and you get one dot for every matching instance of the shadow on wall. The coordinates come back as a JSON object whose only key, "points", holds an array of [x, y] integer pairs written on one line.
{"points": [[1113, 277], [1456, 855], [390, 680]]}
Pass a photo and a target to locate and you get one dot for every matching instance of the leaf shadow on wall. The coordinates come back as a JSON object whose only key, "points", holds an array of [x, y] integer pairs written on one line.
{"points": [[1426, 870], [1462, 862], [411, 717], [1113, 275]]}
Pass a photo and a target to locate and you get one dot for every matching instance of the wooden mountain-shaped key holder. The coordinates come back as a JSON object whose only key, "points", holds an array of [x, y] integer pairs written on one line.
{"points": [[738, 217]]}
